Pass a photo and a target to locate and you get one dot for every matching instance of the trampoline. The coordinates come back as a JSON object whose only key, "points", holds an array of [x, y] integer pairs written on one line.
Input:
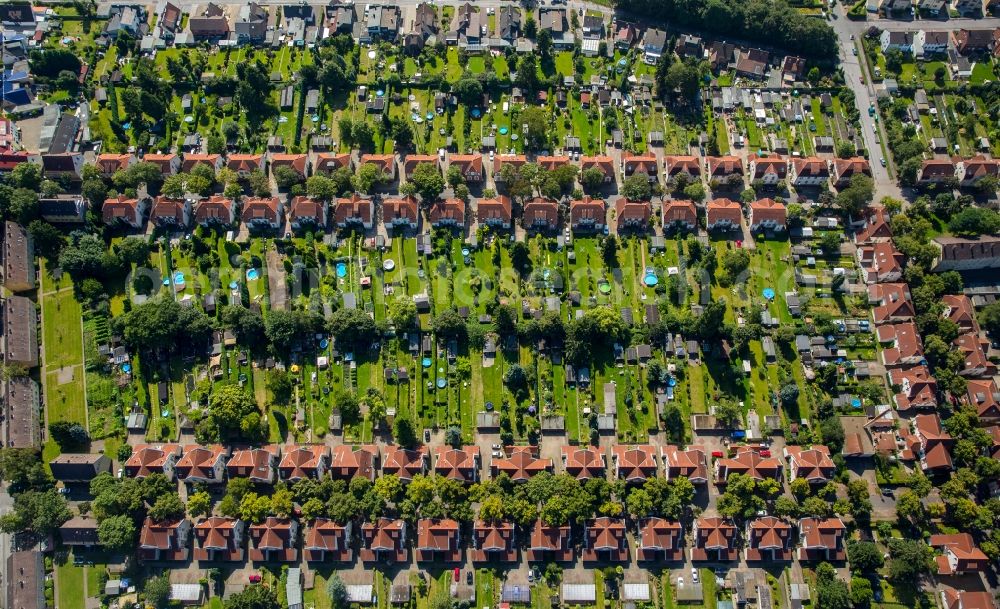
{"points": [[604, 287]]}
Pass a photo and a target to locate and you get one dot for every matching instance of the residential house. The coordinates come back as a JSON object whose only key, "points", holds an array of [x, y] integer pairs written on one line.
{"points": [[605, 539], [767, 215], [680, 215], [245, 164], [634, 463], [880, 262], [584, 462], [934, 444], [959, 554], [220, 539], [126, 212], [723, 214], [714, 540], [901, 344], [928, 43], [970, 171], [406, 463], [654, 42], [149, 459], [973, 349], [385, 162], [689, 463], [752, 63], [969, 42], [749, 462], [166, 540], [260, 465], [875, 228], [400, 212], [643, 164], [326, 540], [632, 214], [983, 395], [79, 532], [216, 211], [411, 162], [263, 213], [822, 539], [659, 540], [447, 213], [109, 164], [917, 388], [384, 541], [470, 164], [495, 212], [212, 161], [809, 171], [438, 540], [170, 213], [767, 170], [63, 209], [550, 543], [935, 171], [604, 164], [966, 254], [520, 463], [499, 161], [79, 467], [305, 461], [845, 169], [299, 163], [330, 162], [509, 23], [307, 213], [18, 256], [20, 333], [769, 539], [58, 165], [462, 464], [251, 23], [169, 164], [494, 542], [587, 214], [896, 40], [724, 170], [274, 540], [210, 23], [890, 302], [354, 212], [687, 166], [202, 464], [348, 462], [812, 464], [540, 214]]}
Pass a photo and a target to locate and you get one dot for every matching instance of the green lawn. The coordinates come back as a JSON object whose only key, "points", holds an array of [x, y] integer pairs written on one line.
{"points": [[69, 586], [62, 337]]}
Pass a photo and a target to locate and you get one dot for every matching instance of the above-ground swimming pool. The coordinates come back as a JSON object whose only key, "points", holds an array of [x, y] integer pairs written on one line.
{"points": [[323, 344], [388, 264], [126, 368], [341, 269], [426, 362], [650, 278], [768, 293], [233, 285], [253, 274]]}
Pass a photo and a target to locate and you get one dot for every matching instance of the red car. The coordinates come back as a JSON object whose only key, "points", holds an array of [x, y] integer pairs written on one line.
{"points": [[766, 452], [717, 454], [457, 573], [255, 578]]}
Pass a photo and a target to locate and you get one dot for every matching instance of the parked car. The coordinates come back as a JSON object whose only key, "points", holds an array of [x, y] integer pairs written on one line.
{"points": [[457, 573], [695, 578]]}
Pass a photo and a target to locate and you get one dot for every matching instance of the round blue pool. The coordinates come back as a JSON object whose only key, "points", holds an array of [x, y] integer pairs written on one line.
{"points": [[178, 278], [476, 113], [126, 368], [253, 274], [672, 382], [503, 131], [442, 383], [233, 285], [426, 362], [768, 293], [323, 344], [650, 278], [341, 269], [379, 93]]}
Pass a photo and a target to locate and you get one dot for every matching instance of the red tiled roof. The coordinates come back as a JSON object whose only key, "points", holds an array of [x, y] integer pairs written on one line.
{"points": [[605, 163], [110, 163], [254, 463], [347, 461], [165, 208], [769, 538], [749, 462], [306, 209], [199, 462], [395, 208], [724, 166], [891, 302], [634, 463], [584, 462], [813, 464], [520, 464], [984, 395], [215, 208], [539, 212], [245, 162], [918, 389], [261, 208], [448, 210], [683, 212], [405, 463], [457, 463], [147, 459], [720, 210], [298, 162], [413, 160], [330, 162], [303, 461], [904, 341], [497, 209], [764, 210], [120, 208], [193, 160], [587, 209], [356, 208], [689, 463]]}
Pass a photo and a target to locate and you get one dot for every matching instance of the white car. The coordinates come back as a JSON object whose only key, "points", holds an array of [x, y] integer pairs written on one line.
{"points": [[680, 581], [694, 575]]}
